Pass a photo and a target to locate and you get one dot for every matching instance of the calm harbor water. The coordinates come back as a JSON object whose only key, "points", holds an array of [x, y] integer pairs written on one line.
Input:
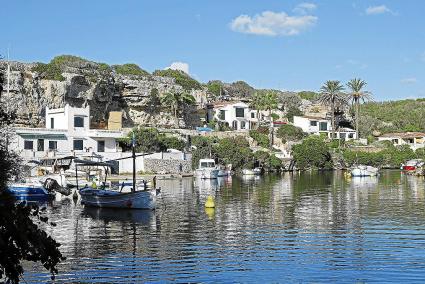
{"points": [[309, 227]]}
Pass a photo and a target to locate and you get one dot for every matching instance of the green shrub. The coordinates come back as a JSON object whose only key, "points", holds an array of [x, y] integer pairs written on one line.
{"points": [[262, 139], [234, 151], [288, 132], [49, 71], [312, 153], [130, 69], [293, 111], [181, 78]]}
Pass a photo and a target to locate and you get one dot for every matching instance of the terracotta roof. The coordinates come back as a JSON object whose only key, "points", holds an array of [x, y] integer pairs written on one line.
{"points": [[404, 135]]}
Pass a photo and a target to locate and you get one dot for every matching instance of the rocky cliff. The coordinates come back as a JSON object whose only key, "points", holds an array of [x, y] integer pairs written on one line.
{"points": [[87, 83]]}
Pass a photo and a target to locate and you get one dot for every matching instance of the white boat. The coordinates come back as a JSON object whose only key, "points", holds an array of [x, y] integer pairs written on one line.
{"points": [[364, 171], [249, 172], [207, 169], [31, 190]]}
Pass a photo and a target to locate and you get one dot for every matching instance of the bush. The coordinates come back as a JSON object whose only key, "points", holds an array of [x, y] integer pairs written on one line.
{"points": [[312, 153], [234, 151], [262, 139], [172, 143], [288, 132], [130, 69], [181, 78], [293, 111], [49, 71]]}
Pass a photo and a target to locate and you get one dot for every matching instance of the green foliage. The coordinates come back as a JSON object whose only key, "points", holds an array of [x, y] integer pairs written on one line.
{"points": [[390, 157], [392, 116], [307, 95], [262, 139], [288, 132], [149, 140], [181, 78], [130, 69], [293, 111], [203, 147], [275, 116], [234, 151], [240, 89], [49, 71], [215, 87], [177, 101], [312, 153], [21, 236], [274, 163], [268, 161]]}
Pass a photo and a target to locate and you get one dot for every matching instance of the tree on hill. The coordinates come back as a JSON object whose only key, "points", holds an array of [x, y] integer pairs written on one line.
{"points": [[181, 78], [357, 94], [130, 69], [331, 95], [176, 101]]}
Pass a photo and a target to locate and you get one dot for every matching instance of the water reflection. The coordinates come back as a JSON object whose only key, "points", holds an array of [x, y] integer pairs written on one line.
{"points": [[269, 228]]}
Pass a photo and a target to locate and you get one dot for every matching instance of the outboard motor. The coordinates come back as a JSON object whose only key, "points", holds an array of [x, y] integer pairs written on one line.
{"points": [[53, 186]]}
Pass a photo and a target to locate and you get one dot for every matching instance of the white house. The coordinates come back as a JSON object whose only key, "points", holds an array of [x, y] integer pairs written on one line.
{"points": [[237, 115], [319, 125], [415, 140], [67, 132]]}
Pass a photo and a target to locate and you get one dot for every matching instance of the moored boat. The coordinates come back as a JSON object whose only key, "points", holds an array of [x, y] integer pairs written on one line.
{"points": [[364, 171], [207, 169], [413, 165], [30, 191], [255, 171]]}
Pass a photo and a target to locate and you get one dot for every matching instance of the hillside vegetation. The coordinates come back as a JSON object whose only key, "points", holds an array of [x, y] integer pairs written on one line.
{"points": [[392, 116]]}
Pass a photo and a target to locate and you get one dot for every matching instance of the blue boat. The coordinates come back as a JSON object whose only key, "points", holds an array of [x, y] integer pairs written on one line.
{"points": [[29, 191]]}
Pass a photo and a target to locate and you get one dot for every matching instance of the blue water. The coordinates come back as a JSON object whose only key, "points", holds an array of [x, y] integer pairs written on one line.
{"points": [[292, 228]]}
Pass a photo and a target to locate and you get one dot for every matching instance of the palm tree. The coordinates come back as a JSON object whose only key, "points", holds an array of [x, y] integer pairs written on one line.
{"points": [[357, 94], [176, 100], [331, 95], [269, 103], [257, 104]]}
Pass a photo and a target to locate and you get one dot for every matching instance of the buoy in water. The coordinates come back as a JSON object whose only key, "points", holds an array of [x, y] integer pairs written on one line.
{"points": [[210, 202]]}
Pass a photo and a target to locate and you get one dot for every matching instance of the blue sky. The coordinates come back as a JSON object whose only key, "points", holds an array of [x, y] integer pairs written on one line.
{"points": [[283, 44]]}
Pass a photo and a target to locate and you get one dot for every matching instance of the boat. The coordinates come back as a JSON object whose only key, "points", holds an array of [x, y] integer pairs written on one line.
{"points": [[140, 195], [364, 171], [252, 172], [412, 165], [31, 190], [223, 171], [207, 169]]}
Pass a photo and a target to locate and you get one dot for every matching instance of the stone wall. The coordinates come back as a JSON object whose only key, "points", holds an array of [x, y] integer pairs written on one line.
{"points": [[161, 166]]}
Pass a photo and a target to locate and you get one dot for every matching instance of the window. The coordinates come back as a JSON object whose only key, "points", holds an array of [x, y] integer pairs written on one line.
{"points": [[40, 145], [323, 126], [101, 146], [52, 122], [28, 145], [313, 123], [207, 165], [343, 135], [242, 124], [235, 125], [252, 115], [53, 145], [78, 145], [78, 121], [240, 112], [350, 135], [222, 115]]}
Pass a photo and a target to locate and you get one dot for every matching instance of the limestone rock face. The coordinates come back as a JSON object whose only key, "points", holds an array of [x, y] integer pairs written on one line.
{"points": [[29, 94]]}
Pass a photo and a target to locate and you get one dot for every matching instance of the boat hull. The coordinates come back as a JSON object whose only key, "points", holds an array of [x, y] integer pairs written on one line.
{"points": [[359, 172], [114, 199], [29, 192]]}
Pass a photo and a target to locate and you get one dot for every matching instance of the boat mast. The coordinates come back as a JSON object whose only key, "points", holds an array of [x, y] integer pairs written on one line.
{"points": [[133, 146]]}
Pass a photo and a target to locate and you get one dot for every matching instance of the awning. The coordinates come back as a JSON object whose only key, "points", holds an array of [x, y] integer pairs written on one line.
{"points": [[49, 136]]}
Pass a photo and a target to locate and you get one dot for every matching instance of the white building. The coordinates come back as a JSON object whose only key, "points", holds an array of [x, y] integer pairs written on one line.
{"points": [[236, 115], [415, 140], [67, 132], [322, 126]]}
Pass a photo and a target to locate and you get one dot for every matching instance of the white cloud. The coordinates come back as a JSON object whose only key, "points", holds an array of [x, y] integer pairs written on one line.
{"points": [[272, 24], [179, 66], [376, 10], [304, 8], [408, 80]]}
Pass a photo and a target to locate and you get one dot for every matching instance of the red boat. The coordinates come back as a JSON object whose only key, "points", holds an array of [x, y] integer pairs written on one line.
{"points": [[412, 165]]}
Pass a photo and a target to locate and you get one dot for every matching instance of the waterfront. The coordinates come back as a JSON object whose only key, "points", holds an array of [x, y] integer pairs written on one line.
{"points": [[309, 227]]}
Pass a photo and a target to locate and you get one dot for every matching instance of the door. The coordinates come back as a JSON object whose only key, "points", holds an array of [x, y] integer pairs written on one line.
{"points": [[40, 145], [101, 146]]}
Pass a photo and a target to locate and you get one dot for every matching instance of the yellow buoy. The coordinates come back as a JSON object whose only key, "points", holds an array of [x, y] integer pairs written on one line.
{"points": [[210, 202]]}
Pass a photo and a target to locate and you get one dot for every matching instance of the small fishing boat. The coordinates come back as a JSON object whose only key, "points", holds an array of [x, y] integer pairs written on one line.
{"points": [[139, 197], [207, 169], [364, 171], [252, 172], [412, 165]]}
